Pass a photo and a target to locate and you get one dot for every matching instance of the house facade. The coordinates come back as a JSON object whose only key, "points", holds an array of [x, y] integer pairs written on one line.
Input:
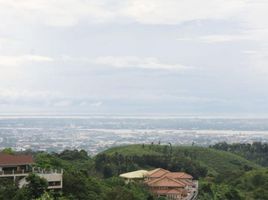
{"points": [[18, 163], [19, 167], [172, 185], [163, 183]]}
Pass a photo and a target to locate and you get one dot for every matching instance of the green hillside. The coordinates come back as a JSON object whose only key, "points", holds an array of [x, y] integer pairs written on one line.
{"points": [[217, 162], [222, 175], [254, 183]]}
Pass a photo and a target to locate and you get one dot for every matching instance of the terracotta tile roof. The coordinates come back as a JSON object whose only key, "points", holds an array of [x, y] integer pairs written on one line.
{"points": [[7, 160], [166, 182], [179, 175], [188, 183], [156, 173]]}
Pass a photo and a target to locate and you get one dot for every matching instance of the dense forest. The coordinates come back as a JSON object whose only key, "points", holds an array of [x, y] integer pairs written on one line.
{"points": [[256, 152], [223, 173]]}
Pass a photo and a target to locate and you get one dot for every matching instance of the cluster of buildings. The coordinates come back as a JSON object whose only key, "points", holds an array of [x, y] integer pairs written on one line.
{"points": [[163, 183], [97, 140], [19, 167]]}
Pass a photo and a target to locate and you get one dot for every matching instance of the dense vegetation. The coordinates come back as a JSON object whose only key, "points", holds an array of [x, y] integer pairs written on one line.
{"points": [[222, 175], [257, 151], [81, 181]]}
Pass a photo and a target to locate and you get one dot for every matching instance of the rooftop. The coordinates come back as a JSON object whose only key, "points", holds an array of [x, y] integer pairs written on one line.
{"points": [[7, 159], [179, 175], [135, 174], [166, 182], [157, 173]]}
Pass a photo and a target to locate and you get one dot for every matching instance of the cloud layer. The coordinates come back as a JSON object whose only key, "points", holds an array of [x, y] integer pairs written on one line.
{"points": [[71, 12], [134, 56]]}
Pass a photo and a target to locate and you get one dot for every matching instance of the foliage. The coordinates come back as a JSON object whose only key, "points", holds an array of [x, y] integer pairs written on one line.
{"points": [[45, 196], [36, 185], [222, 175], [198, 161], [8, 151], [257, 151], [7, 188]]}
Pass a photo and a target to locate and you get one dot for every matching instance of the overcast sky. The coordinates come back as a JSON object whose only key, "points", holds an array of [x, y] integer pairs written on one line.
{"points": [[134, 56]]}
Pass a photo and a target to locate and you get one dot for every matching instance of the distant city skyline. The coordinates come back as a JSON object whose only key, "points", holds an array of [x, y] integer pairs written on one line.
{"points": [[135, 57]]}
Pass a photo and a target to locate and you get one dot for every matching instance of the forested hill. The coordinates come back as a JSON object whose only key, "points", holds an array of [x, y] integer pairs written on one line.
{"points": [[198, 161], [256, 152], [222, 175]]}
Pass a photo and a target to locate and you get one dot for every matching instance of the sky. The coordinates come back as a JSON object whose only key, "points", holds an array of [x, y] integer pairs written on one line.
{"points": [[181, 57]]}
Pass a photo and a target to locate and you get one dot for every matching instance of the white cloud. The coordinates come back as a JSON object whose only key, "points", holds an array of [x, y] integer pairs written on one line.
{"points": [[258, 61], [136, 62], [4, 40], [91, 104], [179, 11], [257, 35], [220, 38], [63, 103], [254, 14], [15, 94], [70, 12], [56, 12], [129, 62], [96, 104], [22, 59], [249, 13]]}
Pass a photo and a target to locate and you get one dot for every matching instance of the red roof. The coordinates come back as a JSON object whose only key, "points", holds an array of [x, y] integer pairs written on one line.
{"points": [[9, 160], [166, 182], [187, 182], [179, 175], [157, 173]]}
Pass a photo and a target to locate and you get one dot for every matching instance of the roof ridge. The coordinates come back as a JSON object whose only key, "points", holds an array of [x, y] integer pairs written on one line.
{"points": [[180, 174], [158, 169], [162, 177], [177, 181]]}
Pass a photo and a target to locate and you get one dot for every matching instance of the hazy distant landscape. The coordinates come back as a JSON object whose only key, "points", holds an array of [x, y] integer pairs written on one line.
{"points": [[95, 134]]}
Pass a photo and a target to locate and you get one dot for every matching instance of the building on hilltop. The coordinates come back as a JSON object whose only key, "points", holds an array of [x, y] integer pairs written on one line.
{"points": [[163, 183], [19, 167]]}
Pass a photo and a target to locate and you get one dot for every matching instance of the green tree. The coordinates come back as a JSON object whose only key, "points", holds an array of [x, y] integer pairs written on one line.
{"points": [[36, 185], [7, 189], [8, 151], [45, 196]]}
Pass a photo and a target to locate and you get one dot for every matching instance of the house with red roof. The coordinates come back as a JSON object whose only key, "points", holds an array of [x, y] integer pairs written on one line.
{"points": [[19, 166], [171, 185], [18, 163]]}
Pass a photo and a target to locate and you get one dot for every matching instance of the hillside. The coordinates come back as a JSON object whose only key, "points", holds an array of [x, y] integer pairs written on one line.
{"points": [[222, 175], [217, 162], [256, 152]]}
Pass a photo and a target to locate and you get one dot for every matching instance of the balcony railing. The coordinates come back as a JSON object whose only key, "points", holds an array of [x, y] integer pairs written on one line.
{"points": [[8, 173], [14, 172]]}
